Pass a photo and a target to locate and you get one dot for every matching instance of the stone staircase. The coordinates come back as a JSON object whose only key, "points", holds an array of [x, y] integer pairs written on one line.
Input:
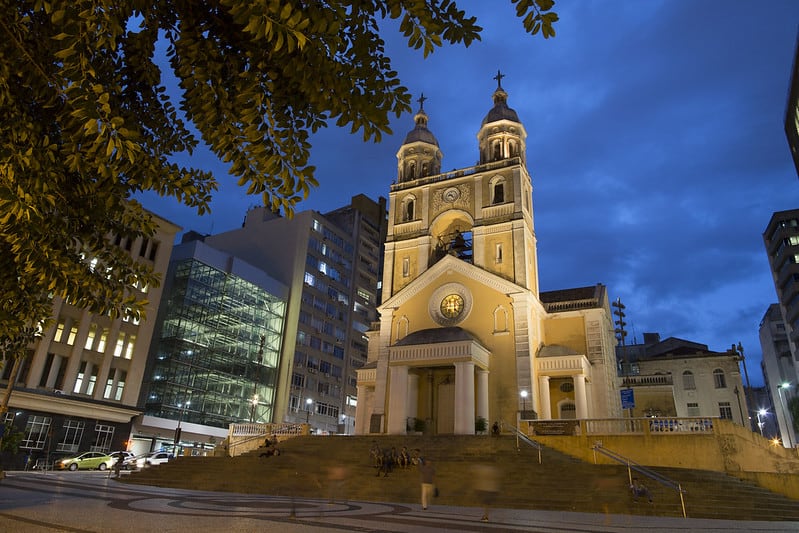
{"points": [[560, 482]]}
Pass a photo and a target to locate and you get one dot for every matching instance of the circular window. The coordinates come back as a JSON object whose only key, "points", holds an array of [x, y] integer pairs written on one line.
{"points": [[566, 387], [452, 306]]}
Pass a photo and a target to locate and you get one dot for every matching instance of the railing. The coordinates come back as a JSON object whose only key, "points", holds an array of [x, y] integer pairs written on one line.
{"points": [[493, 165], [521, 437], [647, 381], [651, 474], [662, 425], [243, 437]]}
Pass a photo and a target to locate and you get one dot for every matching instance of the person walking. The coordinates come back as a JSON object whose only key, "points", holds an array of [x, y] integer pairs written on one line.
{"points": [[428, 474], [486, 485]]}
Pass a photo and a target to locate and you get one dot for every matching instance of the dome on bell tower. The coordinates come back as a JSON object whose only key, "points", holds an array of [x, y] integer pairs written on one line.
{"points": [[419, 154], [501, 135]]}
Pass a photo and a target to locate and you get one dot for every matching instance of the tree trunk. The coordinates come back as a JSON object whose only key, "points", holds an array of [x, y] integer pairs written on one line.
{"points": [[12, 380]]}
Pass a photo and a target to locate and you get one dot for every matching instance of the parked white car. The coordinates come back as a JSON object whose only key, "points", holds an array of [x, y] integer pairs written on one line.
{"points": [[155, 458]]}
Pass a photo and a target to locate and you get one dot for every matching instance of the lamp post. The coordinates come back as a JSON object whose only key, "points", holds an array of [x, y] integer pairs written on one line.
{"points": [[253, 407], [782, 387], [308, 403], [740, 409], [760, 424], [183, 407], [256, 379], [523, 394]]}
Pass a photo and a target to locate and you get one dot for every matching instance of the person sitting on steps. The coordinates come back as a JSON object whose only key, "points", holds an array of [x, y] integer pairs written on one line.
{"points": [[638, 489]]}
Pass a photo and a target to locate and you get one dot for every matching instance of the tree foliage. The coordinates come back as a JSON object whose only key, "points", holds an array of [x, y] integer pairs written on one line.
{"points": [[87, 123]]}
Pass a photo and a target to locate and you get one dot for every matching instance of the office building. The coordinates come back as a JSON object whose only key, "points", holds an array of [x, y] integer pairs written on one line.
{"points": [[216, 352]]}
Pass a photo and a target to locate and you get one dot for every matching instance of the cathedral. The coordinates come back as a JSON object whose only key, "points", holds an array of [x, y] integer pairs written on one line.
{"points": [[465, 337]]}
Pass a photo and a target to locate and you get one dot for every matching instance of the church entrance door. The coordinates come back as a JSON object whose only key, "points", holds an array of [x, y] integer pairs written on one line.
{"points": [[446, 409]]}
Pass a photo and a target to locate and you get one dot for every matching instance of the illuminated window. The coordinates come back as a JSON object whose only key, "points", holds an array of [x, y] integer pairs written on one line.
{"points": [[79, 379], [73, 332], [90, 337], [130, 346], [103, 340], [120, 344], [92, 382]]}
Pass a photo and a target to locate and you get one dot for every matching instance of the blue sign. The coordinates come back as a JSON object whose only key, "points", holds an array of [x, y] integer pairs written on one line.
{"points": [[627, 399]]}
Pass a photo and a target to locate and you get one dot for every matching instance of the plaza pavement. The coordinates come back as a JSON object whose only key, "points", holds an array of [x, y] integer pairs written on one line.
{"points": [[95, 502]]}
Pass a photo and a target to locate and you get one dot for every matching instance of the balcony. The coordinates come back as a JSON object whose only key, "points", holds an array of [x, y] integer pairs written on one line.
{"points": [[648, 381]]}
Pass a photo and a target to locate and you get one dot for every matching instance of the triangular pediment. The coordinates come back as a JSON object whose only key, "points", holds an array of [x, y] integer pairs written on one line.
{"points": [[449, 264]]}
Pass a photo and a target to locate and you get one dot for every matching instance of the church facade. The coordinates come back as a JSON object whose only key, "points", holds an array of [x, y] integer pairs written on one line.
{"points": [[465, 338]]}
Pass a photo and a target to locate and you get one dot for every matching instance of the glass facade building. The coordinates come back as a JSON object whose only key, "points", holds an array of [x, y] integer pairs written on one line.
{"points": [[216, 356]]}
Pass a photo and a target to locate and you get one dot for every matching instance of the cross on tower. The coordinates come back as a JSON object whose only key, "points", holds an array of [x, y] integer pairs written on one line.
{"points": [[499, 77], [421, 101]]}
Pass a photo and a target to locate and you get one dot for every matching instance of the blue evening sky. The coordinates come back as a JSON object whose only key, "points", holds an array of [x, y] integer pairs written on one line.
{"points": [[655, 143]]}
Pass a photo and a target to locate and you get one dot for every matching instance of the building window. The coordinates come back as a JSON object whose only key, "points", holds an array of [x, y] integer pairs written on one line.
{"points": [[499, 193], [406, 267], [688, 382], [122, 377], [36, 432], [80, 378], [498, 254], [693, 409], [92, 382], [103, 340], [73, 433], [725, 411], [90, 337], [718, 379], [104, 436]]}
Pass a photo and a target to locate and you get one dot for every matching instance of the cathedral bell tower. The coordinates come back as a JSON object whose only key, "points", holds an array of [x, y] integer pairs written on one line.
{"points": [[481, 214]]}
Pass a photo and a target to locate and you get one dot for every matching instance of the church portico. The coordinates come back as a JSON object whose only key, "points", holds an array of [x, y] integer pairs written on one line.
{"points": [[575, 367], [453, 400]]}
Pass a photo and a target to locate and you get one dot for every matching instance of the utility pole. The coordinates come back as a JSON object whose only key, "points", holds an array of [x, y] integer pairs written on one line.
{"points": [[748, 390], [621, 333]]}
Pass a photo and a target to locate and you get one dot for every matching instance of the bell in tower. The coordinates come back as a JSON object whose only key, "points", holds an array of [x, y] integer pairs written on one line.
{"points": [[419, 156], [501, 135]]}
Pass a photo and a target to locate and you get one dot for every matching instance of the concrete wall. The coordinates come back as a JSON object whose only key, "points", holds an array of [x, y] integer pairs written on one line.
{"points": [[728, 448]]}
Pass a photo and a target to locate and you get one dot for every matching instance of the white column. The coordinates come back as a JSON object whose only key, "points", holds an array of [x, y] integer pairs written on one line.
{"points": [[464, 398], [545, 412], [413, 396], [580, 400], [482, 394], [397, 400]]}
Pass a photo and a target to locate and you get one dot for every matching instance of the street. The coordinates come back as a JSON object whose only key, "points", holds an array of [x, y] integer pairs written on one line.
{"points": [[96, 502]]}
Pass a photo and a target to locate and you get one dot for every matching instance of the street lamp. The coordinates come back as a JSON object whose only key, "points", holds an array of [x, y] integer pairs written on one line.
{"points": [[760, 424], [253, 407], [183, 407], [308, 403], [782, 387], [523, 394]]}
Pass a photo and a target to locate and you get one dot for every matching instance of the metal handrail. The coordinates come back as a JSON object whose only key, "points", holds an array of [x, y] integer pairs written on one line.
{"points": [[520, 436], [651, 474]]}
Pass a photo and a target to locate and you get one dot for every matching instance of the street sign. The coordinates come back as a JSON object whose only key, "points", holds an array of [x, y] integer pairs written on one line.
{"points": [[627, 399]]}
